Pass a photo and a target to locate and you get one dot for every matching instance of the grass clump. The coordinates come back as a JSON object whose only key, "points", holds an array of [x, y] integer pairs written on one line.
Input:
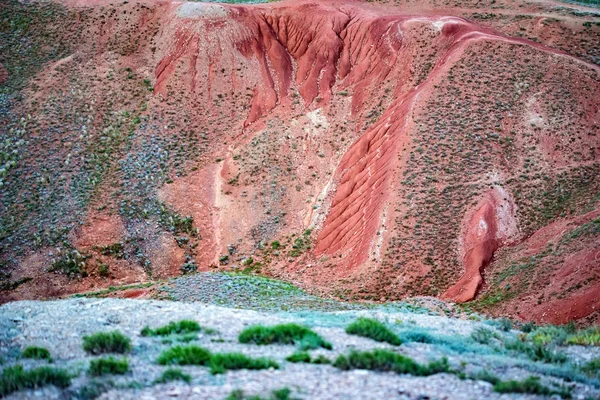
{"points": [[592, 367], [182, 327], [299, 357], [320, 359], [386, 361], [173, 374], [221, 362], [300, 335], [281, 394], [530, 385], [109, 365], [16, 378], [586, 337], [184, 355], [107, 342], [536, 352], [36, 353], [373, 329]]}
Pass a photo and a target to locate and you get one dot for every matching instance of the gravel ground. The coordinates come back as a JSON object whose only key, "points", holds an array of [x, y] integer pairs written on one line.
{"points": [[60, 325]]}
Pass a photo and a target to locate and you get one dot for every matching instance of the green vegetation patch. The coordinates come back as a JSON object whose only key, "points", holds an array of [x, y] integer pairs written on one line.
{"points": [[218, 363], [592, 367], [16, 378], [299, 357], [108, 365], [173, 328], [184, 355], [388, 361], [291, 333], [173, 374], [530, 385], [221, 362], [36, 353], [280, 394], [107, 342], [373, 329]]}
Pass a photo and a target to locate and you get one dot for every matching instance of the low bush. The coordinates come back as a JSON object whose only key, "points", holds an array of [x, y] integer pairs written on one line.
{"points": [[107, 342], [16, 378], [483, 335], [299, 357], [373, 329], [384, 360], [586, 337], [173, 374], [109, 365], [173, 328], [36, 353], [184, 355], [320, 359], [221, 362], [535, 352], [281, 394], [300, 335], [592, 367], [530, 385]]}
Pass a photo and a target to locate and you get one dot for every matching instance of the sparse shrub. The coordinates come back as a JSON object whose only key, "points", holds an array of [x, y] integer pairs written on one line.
{"points": [[184, 355], [415, 336], [373, 329], [527, 327], [504, 324], [486, 376], [181, 327], [16, 378], [536, 352], [384, 360], [107, 342], [483, 335], [221, 362], [108, 365], [592, 367], [281, 394], [530, 385], [173, 374], [37, 353], [283, 334], [320, 359], [587, 337], [299, 357], [71, 264]]}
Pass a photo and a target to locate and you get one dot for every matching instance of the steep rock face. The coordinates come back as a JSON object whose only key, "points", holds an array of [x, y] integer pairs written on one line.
{"points": [[363, 150]]}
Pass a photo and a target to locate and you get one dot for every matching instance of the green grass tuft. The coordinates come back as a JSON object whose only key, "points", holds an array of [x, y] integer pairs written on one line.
{"points": [[592, 367], [281, 394], [221, 362], [182, 327], [284, 334], [36, 353], [107, 342], [299, 357], [386, 361], [173, 374], [530, 385], [16, 378], [108, 365], [184, 355], [320, 359], [373, 329]]}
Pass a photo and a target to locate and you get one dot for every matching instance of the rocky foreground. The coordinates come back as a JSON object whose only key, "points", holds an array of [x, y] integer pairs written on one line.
{"points": [[476, 348]]}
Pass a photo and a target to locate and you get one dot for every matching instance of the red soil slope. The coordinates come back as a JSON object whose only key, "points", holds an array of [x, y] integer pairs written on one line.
{"points": [[367, 151]]}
